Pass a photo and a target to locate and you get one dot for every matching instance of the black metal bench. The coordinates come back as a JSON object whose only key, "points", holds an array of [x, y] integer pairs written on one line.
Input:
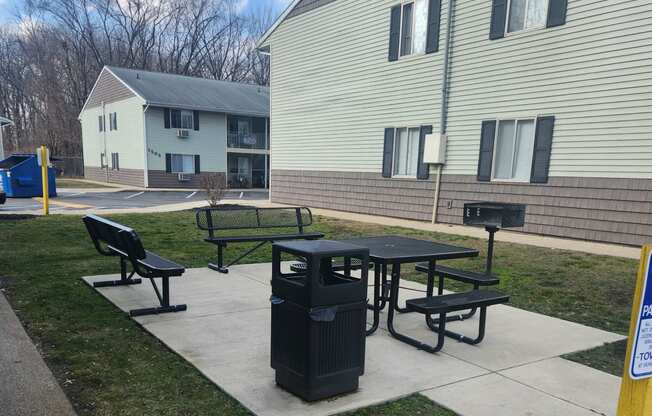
{"points": [[113, 239], [216, 220], [444, 304]]}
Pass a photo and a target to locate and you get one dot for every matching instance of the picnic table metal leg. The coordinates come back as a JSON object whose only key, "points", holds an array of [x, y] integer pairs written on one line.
{"points": [[441, 329], [377, 299], [432, 322], [396, 307], [393, 300]]}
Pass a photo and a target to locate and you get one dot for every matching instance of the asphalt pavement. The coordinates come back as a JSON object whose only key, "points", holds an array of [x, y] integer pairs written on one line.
{"points": [[124, 199]]}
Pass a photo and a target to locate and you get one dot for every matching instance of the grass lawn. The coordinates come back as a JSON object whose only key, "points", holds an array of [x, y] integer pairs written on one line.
{"points": [[107, 365], [77, 183]]}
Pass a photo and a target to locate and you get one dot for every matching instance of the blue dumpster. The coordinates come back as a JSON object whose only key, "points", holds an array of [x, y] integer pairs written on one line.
{"points": [[20, 177]]}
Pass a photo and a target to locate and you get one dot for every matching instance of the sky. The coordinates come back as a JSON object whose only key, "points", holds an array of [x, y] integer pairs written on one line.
{"points": [[8, 8]]}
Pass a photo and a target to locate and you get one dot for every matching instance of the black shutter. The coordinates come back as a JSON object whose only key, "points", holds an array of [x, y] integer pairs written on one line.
{"points": [[394, 32], [388, 153], [195, 119], [486, 150], [498, 19], [542, 148], [197, 165], [175, 121], [168, 163], [117, 161], [434, 19], [166, 118], [115, 121], [423, 169], [557, 13]]}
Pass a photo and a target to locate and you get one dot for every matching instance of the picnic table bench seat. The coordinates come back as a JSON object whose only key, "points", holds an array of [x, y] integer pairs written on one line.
{"points": [[444, 304], [465, 276], [113, 239], [223, 225]]}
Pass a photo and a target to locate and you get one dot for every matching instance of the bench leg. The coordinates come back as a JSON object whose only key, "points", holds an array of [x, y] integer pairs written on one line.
{"points": [[219, 267], [440, 291], [164, 299], [441, 329], [124, 279]]}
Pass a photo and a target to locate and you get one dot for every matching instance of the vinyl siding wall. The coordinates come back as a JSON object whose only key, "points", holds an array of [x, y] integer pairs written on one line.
{"points": [[127, 140], [333, 90], [592, 74], [209, 142]]}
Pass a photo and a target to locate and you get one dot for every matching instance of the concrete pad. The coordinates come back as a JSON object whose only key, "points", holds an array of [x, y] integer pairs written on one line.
{"points": [[28, 388], [514, 336], [226, 330], [493, 395], [567, 380]]}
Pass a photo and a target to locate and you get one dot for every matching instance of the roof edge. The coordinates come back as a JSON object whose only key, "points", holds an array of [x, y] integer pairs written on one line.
{"points": [[276, 24], [106, 68]]}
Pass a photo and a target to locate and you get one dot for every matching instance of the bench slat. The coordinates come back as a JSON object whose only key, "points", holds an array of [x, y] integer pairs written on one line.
{"points": [[456, 301], [461, 275], [254, 238]]}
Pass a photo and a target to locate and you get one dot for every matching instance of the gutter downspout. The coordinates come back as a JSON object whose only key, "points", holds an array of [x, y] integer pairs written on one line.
{"points": [[145, 165], [106, 156], [444, 100]]}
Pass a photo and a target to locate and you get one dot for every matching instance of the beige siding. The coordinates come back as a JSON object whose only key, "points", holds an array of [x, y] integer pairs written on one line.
{"points": [[209, 141], [592, 74], [107, 89], [127, 140], [333, 90]]}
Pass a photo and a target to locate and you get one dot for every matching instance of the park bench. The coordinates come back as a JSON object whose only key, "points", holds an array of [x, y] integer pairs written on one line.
{"points": [[235, 225], [454, 302], [113, 239]]}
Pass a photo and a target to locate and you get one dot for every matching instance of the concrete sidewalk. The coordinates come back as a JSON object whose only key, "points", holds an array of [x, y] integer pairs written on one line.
{"points": [[28, 388]]}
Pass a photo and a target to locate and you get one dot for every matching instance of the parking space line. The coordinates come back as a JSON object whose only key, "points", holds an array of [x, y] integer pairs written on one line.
{"points": [[64, 204], [191, 195], [134, 195]]}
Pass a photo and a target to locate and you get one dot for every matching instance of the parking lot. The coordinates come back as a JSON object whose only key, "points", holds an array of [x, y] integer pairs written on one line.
{"points": [[124, 199]]}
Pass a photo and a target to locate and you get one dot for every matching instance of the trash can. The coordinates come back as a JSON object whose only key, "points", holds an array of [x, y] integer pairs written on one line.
{"points": [[319, 319], [20, 177]]}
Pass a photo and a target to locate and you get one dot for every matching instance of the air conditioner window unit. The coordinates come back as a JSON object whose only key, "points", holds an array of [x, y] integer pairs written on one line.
{"points": [[183, 133], [184, 177]]}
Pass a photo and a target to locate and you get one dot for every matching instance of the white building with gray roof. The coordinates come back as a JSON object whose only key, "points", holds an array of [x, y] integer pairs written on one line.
{"points": [[160, 130]]}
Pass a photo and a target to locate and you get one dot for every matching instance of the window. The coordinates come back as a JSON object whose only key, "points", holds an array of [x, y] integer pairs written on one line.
{"points": [[113, 121], [102, 160], [406, 152], [514, 149], [181, 119], [526, 15], [414, 27], [100, 122], [115, 161], [182, 163]]}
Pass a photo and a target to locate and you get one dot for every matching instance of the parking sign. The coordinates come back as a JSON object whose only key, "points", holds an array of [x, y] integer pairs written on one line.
{"points": [[641, 362]]}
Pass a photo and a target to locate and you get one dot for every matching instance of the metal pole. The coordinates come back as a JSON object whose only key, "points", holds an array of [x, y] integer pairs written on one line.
{"points": [[2, 145], [44, 180], [444, 99]]}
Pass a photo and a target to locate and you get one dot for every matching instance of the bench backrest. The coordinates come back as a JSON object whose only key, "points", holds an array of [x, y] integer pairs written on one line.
{"points": [[216, 219], [111, 238]]}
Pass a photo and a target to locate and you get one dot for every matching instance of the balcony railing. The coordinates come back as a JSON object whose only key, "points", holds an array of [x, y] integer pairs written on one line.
{"points": [[246, 141]]}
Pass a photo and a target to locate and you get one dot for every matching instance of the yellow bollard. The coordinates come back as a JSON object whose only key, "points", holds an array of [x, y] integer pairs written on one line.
{"points": [[636, 394], [43, 151]]}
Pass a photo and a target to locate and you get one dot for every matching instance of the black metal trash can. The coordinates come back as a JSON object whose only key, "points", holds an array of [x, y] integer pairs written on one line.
{"points": [[318, 319]]}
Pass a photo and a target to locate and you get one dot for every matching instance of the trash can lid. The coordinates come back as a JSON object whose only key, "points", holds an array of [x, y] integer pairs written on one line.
{"points": [[322, 247]]}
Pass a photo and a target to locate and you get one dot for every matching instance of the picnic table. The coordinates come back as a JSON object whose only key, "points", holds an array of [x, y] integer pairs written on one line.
{"points": [[395, 251]]}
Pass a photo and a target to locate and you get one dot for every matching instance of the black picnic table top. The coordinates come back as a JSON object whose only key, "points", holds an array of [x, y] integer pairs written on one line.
{"points": [[399, 249]]}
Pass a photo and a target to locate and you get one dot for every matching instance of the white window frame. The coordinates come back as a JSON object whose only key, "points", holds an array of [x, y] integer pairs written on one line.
{"points": [[493, 161], [172, 155], [394, 150], [191, 116], [525, 29], [413, 23]]}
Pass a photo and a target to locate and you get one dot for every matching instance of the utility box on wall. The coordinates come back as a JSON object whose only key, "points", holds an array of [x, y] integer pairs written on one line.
{"points": [[434, 151]]}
